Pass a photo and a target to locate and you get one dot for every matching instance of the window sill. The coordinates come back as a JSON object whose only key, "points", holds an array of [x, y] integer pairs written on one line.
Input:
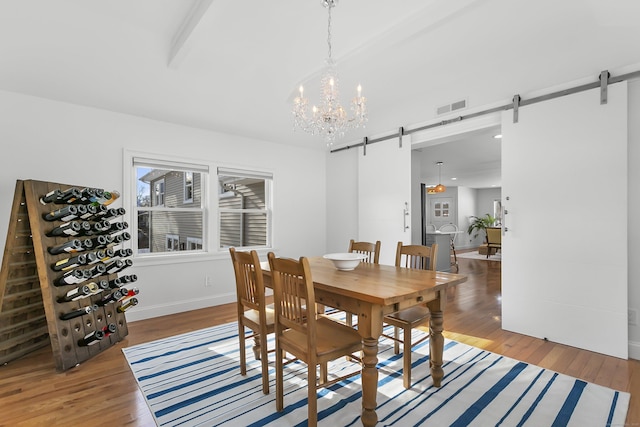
{"points": [[178, 258]]}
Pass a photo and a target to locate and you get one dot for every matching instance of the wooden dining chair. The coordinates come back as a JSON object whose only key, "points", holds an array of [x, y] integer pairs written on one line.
{"points": [[310, 337], [372, 251], [494, 239], [253, 312], [452, 239], [419, 257]]}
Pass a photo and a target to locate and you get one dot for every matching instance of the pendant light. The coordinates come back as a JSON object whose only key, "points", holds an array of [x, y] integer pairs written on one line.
{"points": [[440, 188]]}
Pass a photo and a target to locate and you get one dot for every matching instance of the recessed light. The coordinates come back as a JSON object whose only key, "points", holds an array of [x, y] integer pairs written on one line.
{"points": [[453, 179], [499, 136]]}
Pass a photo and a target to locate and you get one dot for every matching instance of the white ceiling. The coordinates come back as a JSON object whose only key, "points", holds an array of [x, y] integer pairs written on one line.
{"points": [[233, 66]]}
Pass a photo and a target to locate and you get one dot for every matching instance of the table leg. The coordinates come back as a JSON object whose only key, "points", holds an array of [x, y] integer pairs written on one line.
{"points": [[369, 381], [436, 340]]}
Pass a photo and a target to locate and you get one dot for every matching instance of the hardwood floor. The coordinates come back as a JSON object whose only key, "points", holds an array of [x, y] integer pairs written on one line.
{"points": [[103, 392]]}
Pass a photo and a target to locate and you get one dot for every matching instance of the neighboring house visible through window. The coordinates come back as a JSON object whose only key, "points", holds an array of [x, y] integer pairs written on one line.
{"points": [[171, 206], [244, 204]]}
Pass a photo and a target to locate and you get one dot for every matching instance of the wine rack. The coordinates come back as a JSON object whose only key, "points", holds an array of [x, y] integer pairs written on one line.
{"points": [[30, 291]]}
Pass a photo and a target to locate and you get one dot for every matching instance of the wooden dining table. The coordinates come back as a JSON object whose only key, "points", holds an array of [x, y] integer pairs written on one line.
{"points": [[371, 291]]}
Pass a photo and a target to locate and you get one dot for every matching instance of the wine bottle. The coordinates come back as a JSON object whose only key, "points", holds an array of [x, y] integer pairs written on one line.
{"points": [[109, 329], [112, 297], [51, 196], [122, 253], [115, 266], [101, 285], [71, 262], [115, 283], [73, 277], [119, 238], [130, 293], [97, 228], [114, 227], [71, 246], [99, 242], [88, 195], [70, 195], [97, 270], [130, 278], [67, 229], [91, 338], [87, 244], [126, 263], [88, 211], [63, 214], [80, 312], [127, 305], [107, 198], [80, 292], [114, 213]]}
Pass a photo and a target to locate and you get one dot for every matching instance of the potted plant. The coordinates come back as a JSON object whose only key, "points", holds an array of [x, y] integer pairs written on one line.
{"points": [[480, 223]]}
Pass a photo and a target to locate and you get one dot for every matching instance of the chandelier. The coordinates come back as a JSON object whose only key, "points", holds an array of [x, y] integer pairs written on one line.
{"points": [[329, 119]]}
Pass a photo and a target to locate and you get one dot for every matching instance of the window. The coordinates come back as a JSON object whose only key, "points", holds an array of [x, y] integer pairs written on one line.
{"points": [[170, 206], [244, 203], [188, 187], [194, 244], [158, 193], [173, 242]]}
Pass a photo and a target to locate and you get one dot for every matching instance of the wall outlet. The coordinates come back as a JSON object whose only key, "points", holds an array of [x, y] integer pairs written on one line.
{"points": [[208, 282], [633, 316]]}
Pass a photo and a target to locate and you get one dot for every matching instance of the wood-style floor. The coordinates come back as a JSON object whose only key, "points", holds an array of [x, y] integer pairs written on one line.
{"points": [[103, 392]]}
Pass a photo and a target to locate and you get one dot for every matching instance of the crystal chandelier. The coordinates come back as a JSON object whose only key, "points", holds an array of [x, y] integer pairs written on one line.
{"points": [[329, 119]]}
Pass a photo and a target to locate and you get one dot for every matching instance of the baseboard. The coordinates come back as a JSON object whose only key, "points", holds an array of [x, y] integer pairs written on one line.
{"points": [[142, 312], [634, 350]]}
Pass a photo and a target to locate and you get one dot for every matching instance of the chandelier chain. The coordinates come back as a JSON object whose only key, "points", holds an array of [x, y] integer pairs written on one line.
{"points": [[329, 30]]}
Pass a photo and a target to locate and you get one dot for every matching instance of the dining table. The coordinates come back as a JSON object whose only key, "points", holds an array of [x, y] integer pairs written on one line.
{"points": [[371, 291]]}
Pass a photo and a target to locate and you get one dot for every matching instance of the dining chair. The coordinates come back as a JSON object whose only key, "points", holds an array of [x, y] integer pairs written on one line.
{"points": [[418, 257], [253, 312], [494, 239], [372, 251], [452, 228], [430, 228], [310, 337]]}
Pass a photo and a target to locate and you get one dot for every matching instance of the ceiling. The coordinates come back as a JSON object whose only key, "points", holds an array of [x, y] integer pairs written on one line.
{"points": [[234, 66]]}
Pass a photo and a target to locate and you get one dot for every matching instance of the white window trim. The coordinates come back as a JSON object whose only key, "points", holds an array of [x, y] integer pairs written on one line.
{"points": [[250, 173], [129, 196], [174, 238]]}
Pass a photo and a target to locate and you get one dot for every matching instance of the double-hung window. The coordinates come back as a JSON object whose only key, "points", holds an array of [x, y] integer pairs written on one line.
{"points": [[170, 208], [244, 208]]}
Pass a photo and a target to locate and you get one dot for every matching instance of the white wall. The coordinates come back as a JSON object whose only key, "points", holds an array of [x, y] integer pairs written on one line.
{"points": [[58, 142], [633, 203], [634, 214], [342, 199]]}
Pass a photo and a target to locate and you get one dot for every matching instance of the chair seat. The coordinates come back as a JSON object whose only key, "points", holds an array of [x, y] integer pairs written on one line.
{"points": [[333, 340], [413, 315], [254, 315]]}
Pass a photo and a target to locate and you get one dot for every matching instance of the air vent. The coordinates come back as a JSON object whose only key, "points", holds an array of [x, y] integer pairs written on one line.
{"points": [[458, 105]]}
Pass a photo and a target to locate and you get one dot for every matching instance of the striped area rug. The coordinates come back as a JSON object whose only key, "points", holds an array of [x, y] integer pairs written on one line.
{"points": [[194, 380]]}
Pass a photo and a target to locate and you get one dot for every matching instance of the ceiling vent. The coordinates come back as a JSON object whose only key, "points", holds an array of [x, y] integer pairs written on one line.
{"points": [[458, 105]]}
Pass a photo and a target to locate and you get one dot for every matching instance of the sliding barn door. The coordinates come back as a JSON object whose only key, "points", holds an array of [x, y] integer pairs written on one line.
{"points": [[384, 190], [564, 262]]}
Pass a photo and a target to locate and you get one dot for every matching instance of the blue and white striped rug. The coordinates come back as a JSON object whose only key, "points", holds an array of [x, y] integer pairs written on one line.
{"points": [[194, 380]]}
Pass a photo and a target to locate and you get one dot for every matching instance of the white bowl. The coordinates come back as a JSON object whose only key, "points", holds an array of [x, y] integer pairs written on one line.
{"points": [[345, 261]]}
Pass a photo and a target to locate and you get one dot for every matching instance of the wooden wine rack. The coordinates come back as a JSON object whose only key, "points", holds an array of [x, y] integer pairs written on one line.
{"points": [[29, 307]]}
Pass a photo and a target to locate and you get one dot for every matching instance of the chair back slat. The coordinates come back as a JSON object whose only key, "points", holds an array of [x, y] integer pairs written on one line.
{"points": [[371, 250], [249, 282], [292, 289], [417, 256]]}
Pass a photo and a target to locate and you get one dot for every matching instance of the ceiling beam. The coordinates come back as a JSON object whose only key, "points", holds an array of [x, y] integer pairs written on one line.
{"points": [[187, 33]]}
